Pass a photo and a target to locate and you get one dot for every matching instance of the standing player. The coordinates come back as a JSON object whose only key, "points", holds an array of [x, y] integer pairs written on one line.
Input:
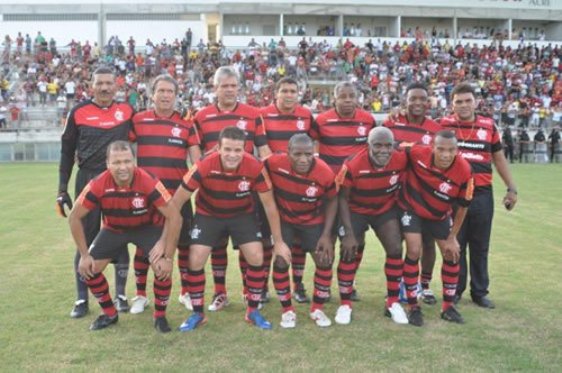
{"points": [[342, 132], [415, 128], [480, 145], [370, 181], [134, 205], [90, 127], [164, 140], [209, 121], [436, 179], [281, 121], [305, 193], [225, 180]]}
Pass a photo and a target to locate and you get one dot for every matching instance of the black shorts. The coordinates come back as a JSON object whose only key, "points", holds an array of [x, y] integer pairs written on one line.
{"points": [[307, 234], [261, 218], [211, 231], [70, 96], [360, 223], [109, 244], [185, 233], [412, 223]]}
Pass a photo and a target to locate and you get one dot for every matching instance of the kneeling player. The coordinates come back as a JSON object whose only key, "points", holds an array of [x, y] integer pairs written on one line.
{"points": [[370, 181], [305, 193], [225, 180], [134, 206], [436, 179]]}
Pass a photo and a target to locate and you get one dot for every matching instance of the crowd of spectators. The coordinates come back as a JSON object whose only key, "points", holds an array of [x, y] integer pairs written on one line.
{"points": [[518, 86]]}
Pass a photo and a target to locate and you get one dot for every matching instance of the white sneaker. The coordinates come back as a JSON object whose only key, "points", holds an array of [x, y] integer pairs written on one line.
{"points": [[186, 301], [396, 313], [288, 320], [343, 315], [219, 302], [138, 304], [320, 318]]}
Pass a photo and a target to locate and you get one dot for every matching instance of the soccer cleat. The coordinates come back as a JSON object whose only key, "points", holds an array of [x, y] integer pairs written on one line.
{"points": [[396, 313], [195, 320], [428, 297], [320, 318], [299, 295], [415, 317], [80, 309], [219, 302], [288, 320], [103, 321], [343, 315], [185, 299], [121, 304], [355, 296], [256, 318], [161, 325], [451, 314], [138, 305]]}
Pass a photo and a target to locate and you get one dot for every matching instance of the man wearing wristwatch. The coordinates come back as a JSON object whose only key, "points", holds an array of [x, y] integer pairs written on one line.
{"points": [[480, 144], [136, 209]]}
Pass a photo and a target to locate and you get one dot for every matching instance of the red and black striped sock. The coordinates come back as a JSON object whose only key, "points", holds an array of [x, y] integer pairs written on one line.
{"points": [[322, 284], [219, 263], [282, 286], [411, 273], [243, 264], [162, 290], [267, 255], [254, 281], [99, 287], [425, 279], [450, 278], [183, 265], [298, 263], [196, 287], [346, 275], [393, 268], [141, 265]]}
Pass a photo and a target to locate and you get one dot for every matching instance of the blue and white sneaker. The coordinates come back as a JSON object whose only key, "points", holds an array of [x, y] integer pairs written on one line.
{"points": [[195, 320], [256, 318]]}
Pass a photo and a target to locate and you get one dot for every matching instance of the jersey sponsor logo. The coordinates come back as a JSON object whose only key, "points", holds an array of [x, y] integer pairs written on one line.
{"points": [[110, 190], [311, 191], [119, 115], [300, 124], [394, 179], [472, 156], [92, 118], [426, 139], [471, 145], [406, 219], [176, 132], [481, 134], [244, 186], [445, 188], [362, 131], [242, 124]]}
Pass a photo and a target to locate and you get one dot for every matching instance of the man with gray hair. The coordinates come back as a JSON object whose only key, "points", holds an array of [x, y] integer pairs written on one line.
{"points": [[209, 121], [369, 184]]}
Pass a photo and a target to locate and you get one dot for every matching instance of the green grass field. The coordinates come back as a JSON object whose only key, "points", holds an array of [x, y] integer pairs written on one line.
{"points": [[524, 332]]}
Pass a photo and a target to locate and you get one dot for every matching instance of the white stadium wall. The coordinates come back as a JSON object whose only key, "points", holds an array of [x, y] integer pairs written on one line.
{"points": [[62, 31], [154, 30]]}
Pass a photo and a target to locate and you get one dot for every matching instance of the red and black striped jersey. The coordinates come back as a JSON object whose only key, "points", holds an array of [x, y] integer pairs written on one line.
{"points": [[126, 207], [340, 137], [225, 194], [373, 190], [429, 191], [163, 145], [408, 134], [477, 142], [279, 127], [301, 198], [211, 120], [88, 131]]}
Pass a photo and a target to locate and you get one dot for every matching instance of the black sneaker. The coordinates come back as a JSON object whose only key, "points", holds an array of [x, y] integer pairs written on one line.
{"points": [[355, 296], [161, 324], [484, 302], [451, 314], [415, 317], [428, 297], [121, 304], [80, 309], [103, 321], [300, 294]]}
